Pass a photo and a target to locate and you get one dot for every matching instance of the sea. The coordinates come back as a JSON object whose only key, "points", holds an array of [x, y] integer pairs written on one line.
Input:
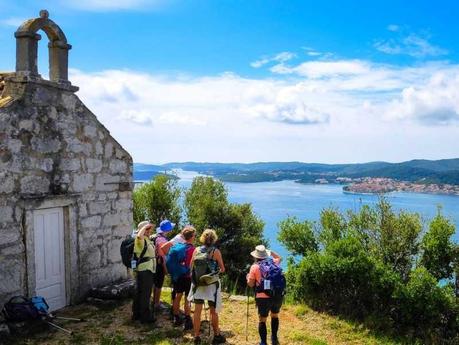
{"points": [[275, 201]]}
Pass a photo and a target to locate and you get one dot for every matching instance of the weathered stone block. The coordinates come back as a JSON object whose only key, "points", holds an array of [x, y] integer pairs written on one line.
{"points": [[32, 184], [99, 207], [106, 182], [6, 214], [46, 145], [111, 219], [90, 131], [27, 125], [108, 150], [6, 183], [123, 204], [14, 145], [70, 164], [91, 222], [99, 148], [11, 270], [118, 166], [93, 165], [82, 183]]}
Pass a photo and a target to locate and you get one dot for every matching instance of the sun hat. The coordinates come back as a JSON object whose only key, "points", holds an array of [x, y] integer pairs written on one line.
{"points": [[142, 224], [165, 226], [261, 252]]}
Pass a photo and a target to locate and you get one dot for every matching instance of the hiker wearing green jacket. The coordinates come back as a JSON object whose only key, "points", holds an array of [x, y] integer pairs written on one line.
{"points": [[210, 293], [144, 271]]}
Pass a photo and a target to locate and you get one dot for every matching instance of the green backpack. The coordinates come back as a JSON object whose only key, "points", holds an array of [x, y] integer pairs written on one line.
{"points": [[205, 270]]}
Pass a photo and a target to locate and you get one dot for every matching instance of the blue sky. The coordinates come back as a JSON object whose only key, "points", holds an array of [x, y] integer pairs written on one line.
{"points": [[327, 81]]}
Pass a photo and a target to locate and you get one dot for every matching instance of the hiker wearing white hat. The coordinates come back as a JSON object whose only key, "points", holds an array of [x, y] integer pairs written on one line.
{"points": [[266, 277]]}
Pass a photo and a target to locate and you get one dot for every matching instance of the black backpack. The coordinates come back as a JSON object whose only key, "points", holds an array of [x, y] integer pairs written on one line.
{"points": [[127, 252], [20, 308]]}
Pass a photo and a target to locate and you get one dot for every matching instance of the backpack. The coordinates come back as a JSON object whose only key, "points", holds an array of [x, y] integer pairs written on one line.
{"points": [[205, 270], [40, 304], [175, 261], [273, 281], [127, 252], [20, 308]]}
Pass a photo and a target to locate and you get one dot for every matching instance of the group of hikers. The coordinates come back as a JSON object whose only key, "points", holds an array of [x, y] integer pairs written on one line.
{"points": [[195, 276]]}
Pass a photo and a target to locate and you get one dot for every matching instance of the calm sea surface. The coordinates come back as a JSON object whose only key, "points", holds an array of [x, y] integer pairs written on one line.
{"points": [[274, 201]]}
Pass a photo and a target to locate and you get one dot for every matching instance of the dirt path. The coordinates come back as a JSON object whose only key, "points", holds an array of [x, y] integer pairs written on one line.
{"points": [[111, 325]]}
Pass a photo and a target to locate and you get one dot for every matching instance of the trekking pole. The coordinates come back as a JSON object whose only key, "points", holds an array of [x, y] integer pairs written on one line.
{"points": [[247, 318], [59, 328]]}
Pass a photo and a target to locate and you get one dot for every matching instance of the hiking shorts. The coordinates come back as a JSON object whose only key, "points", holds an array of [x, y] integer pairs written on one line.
{"points": [[159, 276], [201, 301], [266, 305], [183, 285]]}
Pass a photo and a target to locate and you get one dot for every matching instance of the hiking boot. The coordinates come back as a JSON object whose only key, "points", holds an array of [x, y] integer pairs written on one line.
{"points": [[197, 340], [188, 323], [177, 320], [219, 339]]}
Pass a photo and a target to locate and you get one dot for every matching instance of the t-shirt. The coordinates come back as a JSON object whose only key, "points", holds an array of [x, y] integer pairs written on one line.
{"points": [[255, 273], [178, 239], [188, 256], [160, 240], [150, 253]]}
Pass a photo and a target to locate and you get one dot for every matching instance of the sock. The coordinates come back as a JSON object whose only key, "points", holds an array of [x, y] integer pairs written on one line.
{"points": [[262, 331], [274, 326]]}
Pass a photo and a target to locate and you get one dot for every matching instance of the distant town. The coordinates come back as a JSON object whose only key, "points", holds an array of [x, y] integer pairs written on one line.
{"points": [[380, 185]]}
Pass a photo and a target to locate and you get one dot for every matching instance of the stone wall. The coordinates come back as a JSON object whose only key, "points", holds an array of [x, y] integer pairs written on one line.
{"points": [[54, 150]]}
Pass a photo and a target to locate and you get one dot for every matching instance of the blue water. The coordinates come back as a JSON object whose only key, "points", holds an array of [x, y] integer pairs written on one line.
{"points": [[274, 201]]}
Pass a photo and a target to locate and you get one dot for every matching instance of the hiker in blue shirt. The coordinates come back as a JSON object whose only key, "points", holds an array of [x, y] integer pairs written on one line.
{"points": [[178, 265]]}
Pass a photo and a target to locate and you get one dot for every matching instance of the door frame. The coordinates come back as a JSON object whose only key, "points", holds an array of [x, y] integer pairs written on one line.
{"points": [[69, 209]]}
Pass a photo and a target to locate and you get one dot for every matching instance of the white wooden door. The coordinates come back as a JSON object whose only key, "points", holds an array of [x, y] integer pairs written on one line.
{"points": [[49, 256]]}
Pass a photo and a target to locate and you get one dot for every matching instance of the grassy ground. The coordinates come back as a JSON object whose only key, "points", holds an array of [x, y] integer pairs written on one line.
{"points": [[111, 325]]}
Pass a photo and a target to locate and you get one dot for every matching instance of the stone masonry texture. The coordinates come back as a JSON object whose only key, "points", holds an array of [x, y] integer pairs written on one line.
{"points": [[51, 148]]}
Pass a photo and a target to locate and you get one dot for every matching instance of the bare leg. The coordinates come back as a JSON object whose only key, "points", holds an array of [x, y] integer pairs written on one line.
{"points": [[197, 319], [176, 305], [214, 318], [157, 297]]}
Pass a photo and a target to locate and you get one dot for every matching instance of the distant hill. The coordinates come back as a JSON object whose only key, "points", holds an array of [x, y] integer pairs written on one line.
{"points": [[419, 170]]}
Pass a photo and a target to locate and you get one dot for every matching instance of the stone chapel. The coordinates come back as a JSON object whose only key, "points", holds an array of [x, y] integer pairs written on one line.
{"points": [[65, 183]]}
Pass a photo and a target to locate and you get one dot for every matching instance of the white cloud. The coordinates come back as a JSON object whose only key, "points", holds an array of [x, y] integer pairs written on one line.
{"points": [[393, 27], [12, 21], [280, 57], [344, 110], [436, 102], [112, 5], [411, 44]]}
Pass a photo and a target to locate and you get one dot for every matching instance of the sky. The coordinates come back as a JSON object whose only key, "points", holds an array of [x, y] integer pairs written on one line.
{"points": [[261, 80]]}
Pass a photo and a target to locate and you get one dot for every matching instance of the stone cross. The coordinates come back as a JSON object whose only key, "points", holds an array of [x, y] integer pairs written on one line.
{"points": [[27, 46]]}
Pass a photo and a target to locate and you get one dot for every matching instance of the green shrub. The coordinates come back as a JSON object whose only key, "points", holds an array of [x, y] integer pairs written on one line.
{"points": [[374, 266]]}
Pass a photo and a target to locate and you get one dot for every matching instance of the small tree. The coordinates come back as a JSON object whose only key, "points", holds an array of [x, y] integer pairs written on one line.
{"points": [[438, 250], [158, 200], [298, 237], [238, 227]]}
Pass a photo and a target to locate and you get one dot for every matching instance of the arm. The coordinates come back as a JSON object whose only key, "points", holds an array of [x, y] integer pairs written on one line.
{"points": [[276, 256], [218, 257], [251, 279], [141, 233], [165, 247]]}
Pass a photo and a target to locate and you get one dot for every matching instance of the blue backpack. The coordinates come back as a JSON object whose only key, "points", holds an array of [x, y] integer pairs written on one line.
{"points": [[175, 261], [274, 274]]}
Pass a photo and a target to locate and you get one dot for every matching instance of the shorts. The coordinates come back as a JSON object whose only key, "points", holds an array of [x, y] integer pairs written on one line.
{"points": [[201, 301], [159, 276], [266, 305], [183, 285]]}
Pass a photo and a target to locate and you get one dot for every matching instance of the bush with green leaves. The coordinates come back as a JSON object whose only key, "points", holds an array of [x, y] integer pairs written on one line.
{"points": [[239, 229], [158, 200], [375, 265]]}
